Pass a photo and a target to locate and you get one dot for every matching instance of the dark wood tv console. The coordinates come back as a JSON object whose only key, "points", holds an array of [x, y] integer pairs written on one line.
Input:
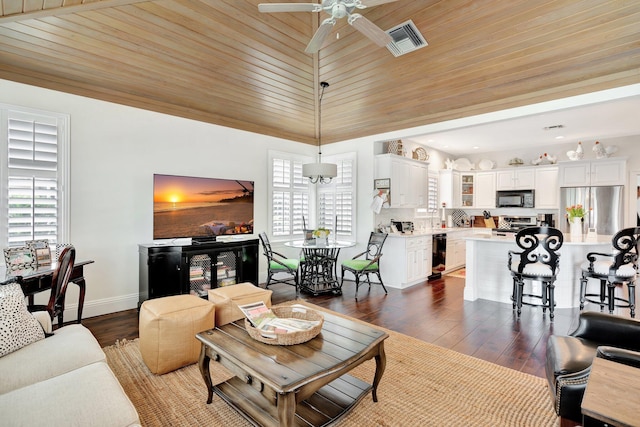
{"points": [[181, 269]]}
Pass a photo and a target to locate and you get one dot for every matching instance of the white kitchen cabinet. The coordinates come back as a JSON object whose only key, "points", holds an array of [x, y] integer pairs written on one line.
{"points": [[456, 250], [406, 260], [600, 172], [408, 177], [519, 178], [449, 183], [547, 194], [485, 190]]}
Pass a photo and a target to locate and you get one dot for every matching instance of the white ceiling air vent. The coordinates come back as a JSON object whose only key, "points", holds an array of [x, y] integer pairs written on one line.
{"points": [[406, 38]]}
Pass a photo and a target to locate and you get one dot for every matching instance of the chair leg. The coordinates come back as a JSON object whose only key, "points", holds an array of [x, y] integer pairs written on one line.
{"points": [[545, 296], [611, 291], [632, 298], [380, 279], [551, 287], [583, 291], [603, 294], [357, 283], [514, 293], [519, 293]]}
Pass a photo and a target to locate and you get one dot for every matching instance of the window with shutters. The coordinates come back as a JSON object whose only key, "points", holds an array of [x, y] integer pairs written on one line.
{"points": [[432, 202], [337, 200], [290, 195], [33, 176]]}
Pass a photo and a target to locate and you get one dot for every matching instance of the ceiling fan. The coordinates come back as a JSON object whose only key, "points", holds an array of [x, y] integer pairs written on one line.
{"points": [[337, 9]]}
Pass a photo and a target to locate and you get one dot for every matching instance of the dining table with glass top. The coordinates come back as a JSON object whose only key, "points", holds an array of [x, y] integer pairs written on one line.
{"points": [[318, 265]]}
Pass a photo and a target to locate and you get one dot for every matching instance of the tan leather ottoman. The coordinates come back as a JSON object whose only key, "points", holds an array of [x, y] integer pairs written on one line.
{"points": [[228, 298], [167, 331]]}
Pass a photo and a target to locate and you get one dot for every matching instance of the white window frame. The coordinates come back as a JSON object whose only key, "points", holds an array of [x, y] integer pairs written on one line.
{"points": [[294, 185], [345, 188], [61, 174]]}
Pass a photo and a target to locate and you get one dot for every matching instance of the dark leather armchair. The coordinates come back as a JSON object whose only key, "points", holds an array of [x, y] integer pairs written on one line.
{"points": [[569, 358]]}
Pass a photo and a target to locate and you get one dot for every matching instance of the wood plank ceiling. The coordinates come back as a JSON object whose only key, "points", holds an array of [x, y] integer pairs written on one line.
{"points": [[223, 62]]}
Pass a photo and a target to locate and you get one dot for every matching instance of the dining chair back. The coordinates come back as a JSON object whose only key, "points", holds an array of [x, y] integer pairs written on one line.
{"points": [[59, 282]]}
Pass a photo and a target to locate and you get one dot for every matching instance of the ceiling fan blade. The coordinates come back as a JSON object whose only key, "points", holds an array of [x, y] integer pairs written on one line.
{"points": [[318, 38], [371, 3], [369, 29], [289, 7]]}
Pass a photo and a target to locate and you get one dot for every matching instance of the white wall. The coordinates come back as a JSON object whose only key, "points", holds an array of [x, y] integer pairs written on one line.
{"points": [[114, 152]]}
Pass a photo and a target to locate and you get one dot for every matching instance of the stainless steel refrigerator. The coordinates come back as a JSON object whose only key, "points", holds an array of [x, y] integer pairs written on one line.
{"points": [[604, 205]]}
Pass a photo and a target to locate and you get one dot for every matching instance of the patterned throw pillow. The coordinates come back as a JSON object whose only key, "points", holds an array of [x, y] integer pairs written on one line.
{"points": [[18, 327]]}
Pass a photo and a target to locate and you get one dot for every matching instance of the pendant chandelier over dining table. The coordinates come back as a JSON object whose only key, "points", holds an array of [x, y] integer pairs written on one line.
{"points": [[320, 172]]}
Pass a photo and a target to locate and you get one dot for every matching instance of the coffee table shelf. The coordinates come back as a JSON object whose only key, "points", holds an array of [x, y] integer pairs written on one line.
{"points": [[298, 385], [324, 407]]}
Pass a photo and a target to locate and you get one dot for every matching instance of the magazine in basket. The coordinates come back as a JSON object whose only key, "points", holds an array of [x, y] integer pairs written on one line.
{"points": [[264, 319]]}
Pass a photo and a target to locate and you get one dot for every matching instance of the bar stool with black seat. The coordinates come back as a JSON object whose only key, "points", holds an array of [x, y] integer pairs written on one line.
{"points": [[612, 269], [538, 261]]}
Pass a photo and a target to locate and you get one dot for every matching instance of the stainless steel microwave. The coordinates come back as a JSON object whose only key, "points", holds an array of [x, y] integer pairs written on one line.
{"points": [[515, 199]]}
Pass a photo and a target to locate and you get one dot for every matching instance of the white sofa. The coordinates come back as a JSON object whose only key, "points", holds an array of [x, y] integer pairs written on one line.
{"points": [[62, 380]]}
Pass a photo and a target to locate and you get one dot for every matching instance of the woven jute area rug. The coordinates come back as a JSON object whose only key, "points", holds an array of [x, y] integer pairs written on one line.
{"points": [[423, 385]]}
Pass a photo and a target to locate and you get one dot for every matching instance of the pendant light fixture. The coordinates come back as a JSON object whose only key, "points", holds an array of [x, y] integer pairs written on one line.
{"points": [[320, 172]]}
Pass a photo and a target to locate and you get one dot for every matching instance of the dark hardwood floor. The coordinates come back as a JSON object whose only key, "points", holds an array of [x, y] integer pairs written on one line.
{"points": [[434, 312]]}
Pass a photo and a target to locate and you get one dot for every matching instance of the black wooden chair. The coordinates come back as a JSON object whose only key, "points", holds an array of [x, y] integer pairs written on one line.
{"points": [[280, 265], [59, 282], [370, 264], [612, 269], [538, 261]]}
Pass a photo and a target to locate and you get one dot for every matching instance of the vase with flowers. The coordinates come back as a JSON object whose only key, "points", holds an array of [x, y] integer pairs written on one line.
{"points": [[575, 214], [322, 236]]}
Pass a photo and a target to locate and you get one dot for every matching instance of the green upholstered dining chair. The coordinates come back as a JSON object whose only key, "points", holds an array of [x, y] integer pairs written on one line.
{"points": [[280, 266], [367, 262]]}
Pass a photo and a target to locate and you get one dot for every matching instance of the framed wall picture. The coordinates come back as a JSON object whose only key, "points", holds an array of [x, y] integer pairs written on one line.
{"points": [[19, 258], [41, 252]]}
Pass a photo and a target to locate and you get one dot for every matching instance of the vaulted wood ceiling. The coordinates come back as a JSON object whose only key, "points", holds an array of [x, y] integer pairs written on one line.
{"points": [[223, 62]]}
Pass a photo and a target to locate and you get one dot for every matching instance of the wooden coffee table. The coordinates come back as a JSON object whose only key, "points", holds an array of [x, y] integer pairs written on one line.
{"points": [[303, 384]]}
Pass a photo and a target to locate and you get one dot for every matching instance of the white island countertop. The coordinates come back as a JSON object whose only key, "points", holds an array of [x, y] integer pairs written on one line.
{"points": [[432, 231], [567, 239], [488, 277]]}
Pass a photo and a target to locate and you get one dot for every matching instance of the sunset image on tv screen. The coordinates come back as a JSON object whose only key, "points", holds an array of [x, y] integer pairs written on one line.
{"points": [[199, 207]]}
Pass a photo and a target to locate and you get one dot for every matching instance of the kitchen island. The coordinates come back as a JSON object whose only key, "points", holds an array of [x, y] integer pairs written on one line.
{"points": [[488, 277]]}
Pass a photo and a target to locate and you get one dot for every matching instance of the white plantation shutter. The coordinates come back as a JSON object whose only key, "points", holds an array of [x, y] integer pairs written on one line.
{"points": [[32, 180], [336, 200], [289, 195], [432, 200]]}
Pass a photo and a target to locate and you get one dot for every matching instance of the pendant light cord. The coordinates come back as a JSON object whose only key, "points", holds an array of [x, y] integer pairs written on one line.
{"points": [[323, 85]]}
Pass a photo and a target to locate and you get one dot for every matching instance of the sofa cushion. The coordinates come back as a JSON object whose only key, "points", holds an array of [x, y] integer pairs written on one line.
{"points": [[69, 348], [88, 396], [18, 327]]}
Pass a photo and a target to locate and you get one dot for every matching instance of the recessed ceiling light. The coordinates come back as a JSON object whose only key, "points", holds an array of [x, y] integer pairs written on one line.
{"points": [[475, 147], [559, 137]]}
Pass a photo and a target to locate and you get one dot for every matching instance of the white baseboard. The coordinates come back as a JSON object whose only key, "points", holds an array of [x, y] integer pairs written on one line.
{"points": [[100, 307]]}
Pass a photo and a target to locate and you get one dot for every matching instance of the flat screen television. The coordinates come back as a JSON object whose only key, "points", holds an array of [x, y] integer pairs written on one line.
{"points": [[201, 208]]}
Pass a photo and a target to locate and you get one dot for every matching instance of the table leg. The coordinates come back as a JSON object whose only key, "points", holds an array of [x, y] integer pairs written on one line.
{"points": [[82, 285], [381, 363], [287, 409], [203, 364]]}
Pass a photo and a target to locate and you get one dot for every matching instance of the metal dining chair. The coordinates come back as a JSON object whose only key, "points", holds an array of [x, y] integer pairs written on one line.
{"points": [[278, 265], [367, 262]]}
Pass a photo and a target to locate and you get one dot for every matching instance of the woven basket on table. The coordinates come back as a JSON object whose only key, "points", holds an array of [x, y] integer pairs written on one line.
{"points": [[290, 338]]}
